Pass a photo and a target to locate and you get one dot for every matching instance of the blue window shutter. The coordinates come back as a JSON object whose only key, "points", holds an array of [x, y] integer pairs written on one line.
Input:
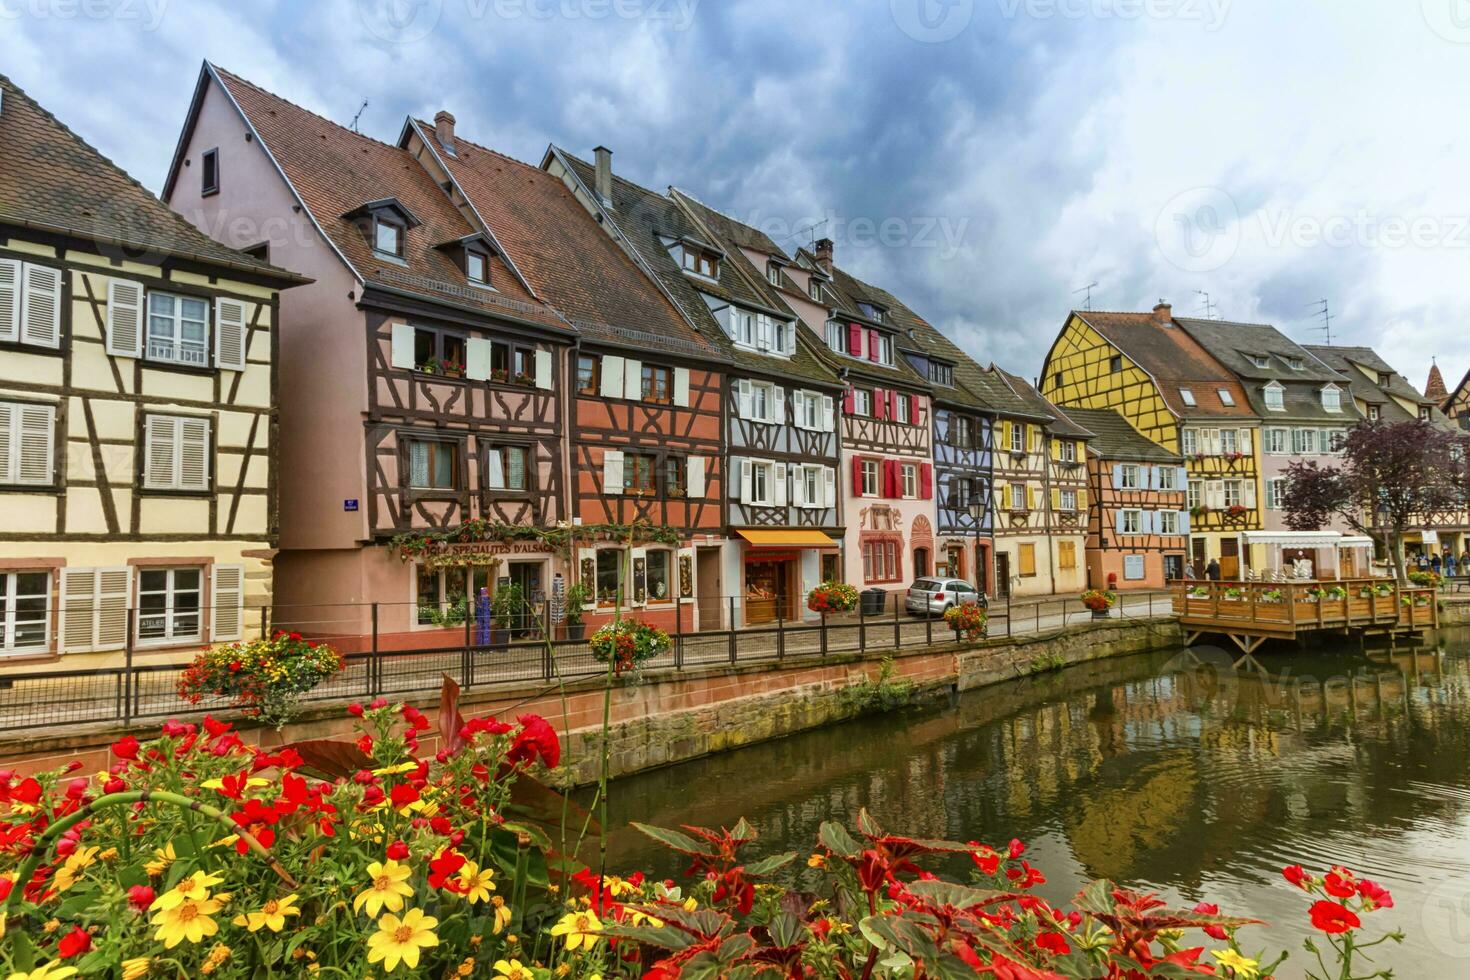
{"points": [[1184, 522]]}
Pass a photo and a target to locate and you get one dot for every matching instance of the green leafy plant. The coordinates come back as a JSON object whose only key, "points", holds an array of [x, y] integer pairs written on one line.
{"points": [[627, 644], [883, 693], [578, 595], [1047, 662], [264, 678], [506, 604]]}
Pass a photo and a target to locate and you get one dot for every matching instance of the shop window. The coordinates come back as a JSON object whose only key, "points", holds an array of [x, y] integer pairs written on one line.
{"points": [[659, 574], [168, 604], [609, 574]]}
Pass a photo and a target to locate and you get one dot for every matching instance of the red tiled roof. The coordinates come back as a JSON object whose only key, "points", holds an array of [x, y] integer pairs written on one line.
{"points": [[336, 171], [53, 180], [1175, 360]]}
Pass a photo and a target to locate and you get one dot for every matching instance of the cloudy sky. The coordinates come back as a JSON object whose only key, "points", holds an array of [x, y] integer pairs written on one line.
{"points": [[982, 158]]}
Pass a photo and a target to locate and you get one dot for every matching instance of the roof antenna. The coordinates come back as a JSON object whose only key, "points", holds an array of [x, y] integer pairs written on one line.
{"points": [[1210, 307], [353, 125], [811, 228], [1325, 315], [1087, 302]]}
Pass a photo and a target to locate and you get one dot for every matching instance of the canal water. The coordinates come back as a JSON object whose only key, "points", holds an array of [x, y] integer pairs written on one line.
{"points": [[1171, 772]]}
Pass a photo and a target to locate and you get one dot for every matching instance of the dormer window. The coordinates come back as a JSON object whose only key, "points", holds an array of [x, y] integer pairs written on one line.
{"points": [[1374, 413], [874, 313], [1424, 413], [388, 237], [1384, 380], [773, 273], [941, 373], [1331, 399], [472, 255], [814, 288], [1296, 364], [1259, 360], [385, 224], [701, 263], [1275, 397], [477, 267]]}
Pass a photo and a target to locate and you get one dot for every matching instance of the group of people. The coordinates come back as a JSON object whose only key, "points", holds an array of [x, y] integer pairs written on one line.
{"points": [[1447, 564]]}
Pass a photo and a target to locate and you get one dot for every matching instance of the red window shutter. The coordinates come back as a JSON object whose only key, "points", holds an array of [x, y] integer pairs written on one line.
{"points": [[857, 476], [855, 340], [849, 401], [926, 480], [893, 398], [872, 345], [914, 409], [891, 487], [880, 403]]}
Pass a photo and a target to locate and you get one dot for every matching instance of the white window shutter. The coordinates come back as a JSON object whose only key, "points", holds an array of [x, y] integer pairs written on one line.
{"points": [[763, 332], [40, 317], [36, 427], [494, 469], [403, 346], [193, 454], [735, 474], [9, 445], [829, 418], [10, 300], [230, 334], [681, 387], [633, 379], [612, 471], [476, 359], [1248, 493], [780, 472], [829, 478], [114, 594], [611, 385], [227, 592], [744, 481], [77, 631], [160, 459], [124, 318], [543, 369], [694, 477], [1245, 441], [742, 398], [779, 404]]}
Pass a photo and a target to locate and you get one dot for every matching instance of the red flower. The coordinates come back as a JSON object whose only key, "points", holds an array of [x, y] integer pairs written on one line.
{"points": [[986, 860], [355, 710], [401, 796], [535, 739], [1332, 918], [140, 897], [443, 868], [1054, 943], [1016, 849], [1340, 883], [125, 747], [1375, 894], [397, 850], [1296, 876], [74, 943], [1209, 908]]}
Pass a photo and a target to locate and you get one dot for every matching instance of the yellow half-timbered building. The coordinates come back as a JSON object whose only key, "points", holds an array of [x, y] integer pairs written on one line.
{"points": [[1169, 388], [137, 420]]}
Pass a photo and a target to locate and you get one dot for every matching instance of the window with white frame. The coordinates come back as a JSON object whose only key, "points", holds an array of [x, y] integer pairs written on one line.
{"points": [[1276, 442], [809, 410], [658, 566], [1331, 399], [836, 336], [884, 348], [1168, 521], [25, 611], [1187, 395], [763, 401], [1130, 521], [169, 604], [27, 443], [1275, 397], [1374, 413], [176, 453], [901, 409], [1129, 477], [1232, 496], [1018, 497], [1168, 478], [862, 402], [814, 288], [178, 329], [870, 477], [910, 473], [1274, 493], [1333, 440], [773, 274], [1259, 360], [762, 481], [1068, 499], [1296, 364], [1018, 437], [1188, 442], [1304, 442], [811, 491], [1226, 398], [745, 327], [1069, 451], [1229, 441], [1194, 494]]}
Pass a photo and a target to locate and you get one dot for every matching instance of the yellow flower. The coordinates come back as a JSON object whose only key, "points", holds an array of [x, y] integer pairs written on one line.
{"points": [[502, 914], [163, 857], [476, 884], [401, 939], [1240, 966], [395, 770], [46, 971], [272, 915], [817, 861], [638, 918], [513, 970], [580, 928], [194, 887], [389, 888], [189, 919], [136, 967], [216, 958], [250, 783], [690, 904]]}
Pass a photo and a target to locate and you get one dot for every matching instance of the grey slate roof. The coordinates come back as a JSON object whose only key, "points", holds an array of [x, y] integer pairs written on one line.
{"points": [[1116, 438], [1038, 405], [1350, 362], [1236, 344]]}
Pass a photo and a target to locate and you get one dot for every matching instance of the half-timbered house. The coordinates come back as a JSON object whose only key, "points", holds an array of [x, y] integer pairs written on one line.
{"points": [[1137, 521], [138, 434], [422, 379], [1178, 395], [781, 506]]}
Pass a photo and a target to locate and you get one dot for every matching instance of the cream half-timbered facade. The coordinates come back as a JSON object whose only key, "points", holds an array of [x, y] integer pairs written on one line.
{"points": [[136, 431]]}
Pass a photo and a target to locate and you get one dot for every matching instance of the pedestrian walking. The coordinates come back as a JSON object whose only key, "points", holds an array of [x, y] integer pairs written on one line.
{"points": [[1450, 565], [1212, 571], [1436, 564]]}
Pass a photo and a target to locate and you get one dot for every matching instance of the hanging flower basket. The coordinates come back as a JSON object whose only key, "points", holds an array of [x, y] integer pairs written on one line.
{"points": [[967, 621], [832, 597], [628, 644], [1099, 601], [264, 678]]}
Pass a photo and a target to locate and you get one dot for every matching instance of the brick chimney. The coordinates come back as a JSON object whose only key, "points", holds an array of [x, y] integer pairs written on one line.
{"points": [[823, 249], [603, 177], [1163, 314], [444, 129]]}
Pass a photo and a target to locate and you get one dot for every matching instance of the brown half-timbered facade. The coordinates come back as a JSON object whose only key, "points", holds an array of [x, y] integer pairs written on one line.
{"points": [[137, 421], [423, 384]]}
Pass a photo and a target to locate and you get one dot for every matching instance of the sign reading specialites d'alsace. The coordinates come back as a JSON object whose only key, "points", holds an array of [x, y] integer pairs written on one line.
{"points": [[481, 552]]}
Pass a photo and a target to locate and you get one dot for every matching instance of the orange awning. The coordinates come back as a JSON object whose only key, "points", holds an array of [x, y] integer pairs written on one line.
{"points": [[787, 539]]}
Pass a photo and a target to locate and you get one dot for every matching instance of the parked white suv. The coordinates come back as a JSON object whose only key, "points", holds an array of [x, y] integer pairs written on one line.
{"points": [[932, 596]]}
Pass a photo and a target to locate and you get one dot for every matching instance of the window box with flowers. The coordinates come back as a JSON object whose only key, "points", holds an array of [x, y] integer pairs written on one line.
{"points": [[445, 367], [830, 597]]}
